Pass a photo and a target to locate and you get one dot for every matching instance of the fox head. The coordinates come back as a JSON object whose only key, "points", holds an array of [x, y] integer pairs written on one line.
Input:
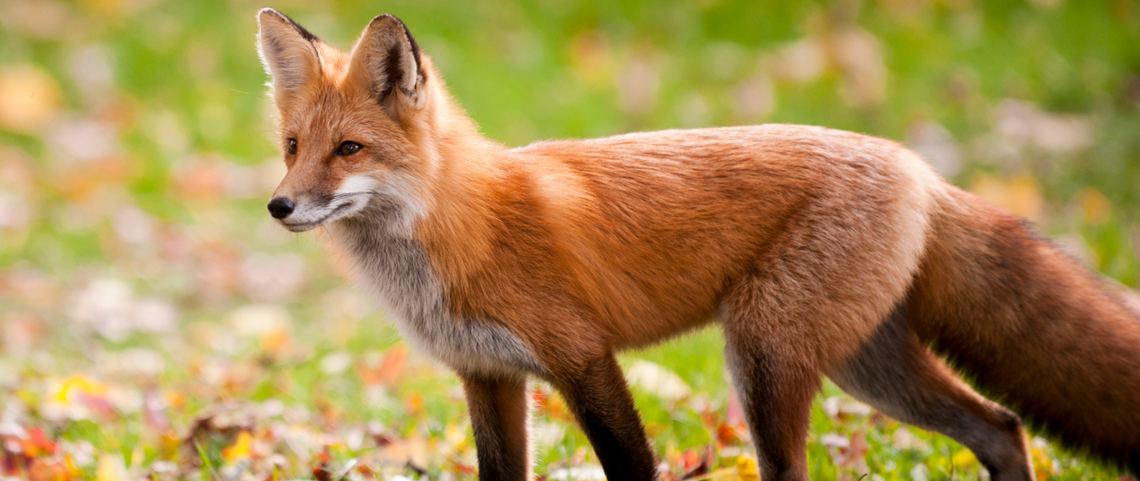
{"points": [[355, 127]]}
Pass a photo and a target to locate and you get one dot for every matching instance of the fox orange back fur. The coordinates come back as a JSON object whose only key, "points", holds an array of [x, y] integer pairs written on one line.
{"points": [[819, 252]]}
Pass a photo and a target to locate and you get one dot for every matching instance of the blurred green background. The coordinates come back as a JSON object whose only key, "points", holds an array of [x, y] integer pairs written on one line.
{"points": [[138, 265]]}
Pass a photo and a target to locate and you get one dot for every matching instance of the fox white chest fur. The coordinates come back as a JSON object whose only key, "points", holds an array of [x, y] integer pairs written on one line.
{"points": [[392, 265]]}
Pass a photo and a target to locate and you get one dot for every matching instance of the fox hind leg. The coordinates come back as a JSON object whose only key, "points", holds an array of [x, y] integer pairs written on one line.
{"points": [[776, 395], [897, 375], [777, 385]]}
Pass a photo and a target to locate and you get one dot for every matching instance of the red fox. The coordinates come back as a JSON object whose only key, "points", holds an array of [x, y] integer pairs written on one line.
{"points": [[820, 253]]}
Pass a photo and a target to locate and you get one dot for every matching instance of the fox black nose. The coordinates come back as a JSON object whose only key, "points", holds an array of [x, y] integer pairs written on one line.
{"points": [[280, 207]]}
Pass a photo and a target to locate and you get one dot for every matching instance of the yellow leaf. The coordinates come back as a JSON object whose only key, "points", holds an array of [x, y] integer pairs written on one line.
{"points": [[744, 470], [725, 474], [79, 384], [73, 471], [964, 459], [239, 449], [110, 468], [29, 99], [455, 435], [169, 444], [1020, 195], [747, 468], [1042, 463], [1095, 206]]}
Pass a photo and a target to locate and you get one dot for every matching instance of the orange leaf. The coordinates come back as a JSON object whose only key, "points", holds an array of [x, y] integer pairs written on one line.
{"points": [[393, 364], [37, 443], [728, 435], [239, 449]]}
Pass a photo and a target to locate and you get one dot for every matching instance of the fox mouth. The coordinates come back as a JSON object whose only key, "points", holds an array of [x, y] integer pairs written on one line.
{"points": [[311, 210], [333, 214]]}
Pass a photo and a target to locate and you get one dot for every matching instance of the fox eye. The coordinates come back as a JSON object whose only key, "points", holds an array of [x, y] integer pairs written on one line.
{"points": [[347, 148], [292, 146]]}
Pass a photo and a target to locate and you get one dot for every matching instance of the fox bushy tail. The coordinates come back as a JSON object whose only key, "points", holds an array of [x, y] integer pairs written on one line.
{"points": [[1033, 328]]}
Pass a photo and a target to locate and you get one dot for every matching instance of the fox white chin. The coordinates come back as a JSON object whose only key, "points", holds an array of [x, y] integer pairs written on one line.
{"points": [[300, 221], [350, 199]]}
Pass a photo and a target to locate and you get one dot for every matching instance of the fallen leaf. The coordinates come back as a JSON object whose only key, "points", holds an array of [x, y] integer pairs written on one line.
{"points": [[77, 385], [964, 459], [1095, 206], [29, 99], [239, 449], [1020, 195], [110, 468]]}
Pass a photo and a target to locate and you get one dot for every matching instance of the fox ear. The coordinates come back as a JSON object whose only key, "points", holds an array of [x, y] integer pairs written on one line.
{"points": [[288, 52], [387, 59]]}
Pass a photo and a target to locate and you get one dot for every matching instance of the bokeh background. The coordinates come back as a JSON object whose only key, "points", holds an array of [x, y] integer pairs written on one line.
{"points": [[155, 322]]}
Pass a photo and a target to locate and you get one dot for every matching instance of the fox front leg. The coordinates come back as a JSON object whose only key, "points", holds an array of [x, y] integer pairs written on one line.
{"points": [[499, 411], [598, 396]]}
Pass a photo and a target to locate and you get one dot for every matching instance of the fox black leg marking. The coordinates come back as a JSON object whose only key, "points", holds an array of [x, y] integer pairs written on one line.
{"points": [[603, 405]]}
